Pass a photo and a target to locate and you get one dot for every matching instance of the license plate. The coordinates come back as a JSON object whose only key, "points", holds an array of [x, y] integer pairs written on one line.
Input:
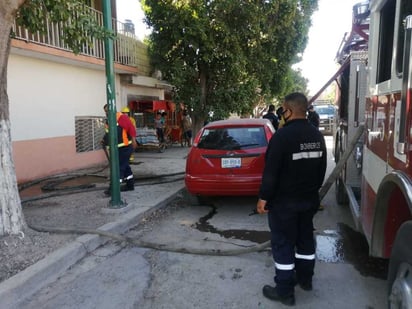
{"points": [[231, 162]]}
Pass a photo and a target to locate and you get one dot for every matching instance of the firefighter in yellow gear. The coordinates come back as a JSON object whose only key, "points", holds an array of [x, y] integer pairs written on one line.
{"points": [[126, 110]]}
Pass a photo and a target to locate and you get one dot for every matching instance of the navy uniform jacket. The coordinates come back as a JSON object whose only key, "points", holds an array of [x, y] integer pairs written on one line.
{"points": [[295, 163]]}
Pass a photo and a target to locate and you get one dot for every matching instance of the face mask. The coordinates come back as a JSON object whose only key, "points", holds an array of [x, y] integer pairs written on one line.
{"points": [[284, 112]]}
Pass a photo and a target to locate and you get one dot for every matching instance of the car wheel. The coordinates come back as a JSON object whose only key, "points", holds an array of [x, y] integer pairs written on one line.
{"points": [[199, 200], [400, 269], [194, 199], [203, 200]]}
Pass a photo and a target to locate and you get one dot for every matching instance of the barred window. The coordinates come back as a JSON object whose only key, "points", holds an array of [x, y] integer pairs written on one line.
{"points": [[89, 132]]}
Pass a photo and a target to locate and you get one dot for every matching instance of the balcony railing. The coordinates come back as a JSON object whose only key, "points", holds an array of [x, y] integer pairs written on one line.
{"points": [[128, 50]]}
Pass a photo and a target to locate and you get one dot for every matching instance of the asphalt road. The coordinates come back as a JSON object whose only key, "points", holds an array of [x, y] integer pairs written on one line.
{"points": [[119, 276]]}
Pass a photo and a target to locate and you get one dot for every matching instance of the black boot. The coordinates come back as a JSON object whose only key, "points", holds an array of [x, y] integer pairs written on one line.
{"points": [[129, 185], [271, 293], [307, 286], [107, 192]]}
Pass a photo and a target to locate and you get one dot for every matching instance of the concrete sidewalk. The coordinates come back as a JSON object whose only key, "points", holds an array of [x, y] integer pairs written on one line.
{"points": [[140, 203]]}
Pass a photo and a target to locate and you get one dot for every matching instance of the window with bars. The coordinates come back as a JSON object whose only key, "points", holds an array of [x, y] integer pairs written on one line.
{"points": [[89, 132]]}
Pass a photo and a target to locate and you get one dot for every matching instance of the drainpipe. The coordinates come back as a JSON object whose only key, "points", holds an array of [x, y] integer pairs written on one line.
{"points": [[116, 201]]}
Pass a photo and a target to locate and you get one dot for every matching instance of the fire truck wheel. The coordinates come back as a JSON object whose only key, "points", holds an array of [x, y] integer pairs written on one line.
{"points": [[400, 269]]}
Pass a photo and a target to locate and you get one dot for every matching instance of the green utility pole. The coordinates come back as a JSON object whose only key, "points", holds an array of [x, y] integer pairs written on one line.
{"points": [[116, 201]]}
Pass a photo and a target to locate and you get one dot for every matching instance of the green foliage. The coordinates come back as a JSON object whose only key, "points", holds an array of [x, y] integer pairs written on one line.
{"points": [[330, 93], [222, 56], [78, 24], [294, 82]]}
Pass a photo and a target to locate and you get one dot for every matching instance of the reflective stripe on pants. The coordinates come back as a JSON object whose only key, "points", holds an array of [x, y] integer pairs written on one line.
{"points": [[292, 229], [124, 166]]}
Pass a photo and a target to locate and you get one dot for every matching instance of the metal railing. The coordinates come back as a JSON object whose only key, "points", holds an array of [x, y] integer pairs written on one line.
{"points": [[128, 50], [89, 132]]}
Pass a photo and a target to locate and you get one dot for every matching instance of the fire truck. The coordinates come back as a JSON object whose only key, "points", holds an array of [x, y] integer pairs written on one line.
{"points": [[375, 127]]}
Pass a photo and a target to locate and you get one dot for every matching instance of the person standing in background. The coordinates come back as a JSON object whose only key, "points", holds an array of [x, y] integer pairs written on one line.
{"points": [[313, 116], [272, 117], [159, 125], [187, 128], [279, 113]]}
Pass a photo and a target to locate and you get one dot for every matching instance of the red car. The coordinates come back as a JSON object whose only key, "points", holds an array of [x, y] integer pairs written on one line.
{"points": [[227, 157]]}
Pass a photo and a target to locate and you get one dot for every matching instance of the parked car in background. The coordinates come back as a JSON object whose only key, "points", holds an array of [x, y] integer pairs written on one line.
{"points": [[327, 115], [227, 157]]}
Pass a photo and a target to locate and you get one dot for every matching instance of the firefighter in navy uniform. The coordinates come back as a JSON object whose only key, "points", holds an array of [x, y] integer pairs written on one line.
{"points": [[126, 143], [295, 167], [272, 116]]}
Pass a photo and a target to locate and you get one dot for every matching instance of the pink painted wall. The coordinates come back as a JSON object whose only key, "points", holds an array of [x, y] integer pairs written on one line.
{"points": [[39, 158]]}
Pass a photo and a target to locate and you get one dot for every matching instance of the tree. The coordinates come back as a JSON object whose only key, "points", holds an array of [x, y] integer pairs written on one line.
{"points": [[295, 82], [32, 14], [221, 56]]}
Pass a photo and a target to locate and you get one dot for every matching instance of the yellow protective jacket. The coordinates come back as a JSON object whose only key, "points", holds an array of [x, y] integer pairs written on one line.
{"points": [[123, 138]]}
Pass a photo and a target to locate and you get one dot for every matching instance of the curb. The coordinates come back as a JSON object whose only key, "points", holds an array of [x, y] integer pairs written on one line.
{"points": [[37, 276]]}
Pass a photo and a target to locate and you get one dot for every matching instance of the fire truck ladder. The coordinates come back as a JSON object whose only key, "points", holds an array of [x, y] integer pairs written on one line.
{"points": [[333, 78], [357, 39]]}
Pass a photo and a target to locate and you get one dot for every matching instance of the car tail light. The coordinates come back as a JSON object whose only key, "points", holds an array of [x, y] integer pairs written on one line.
{"points": [[268, 134]]}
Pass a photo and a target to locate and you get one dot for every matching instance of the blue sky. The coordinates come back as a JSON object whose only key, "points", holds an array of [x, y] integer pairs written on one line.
{"points": [[329, 24]]}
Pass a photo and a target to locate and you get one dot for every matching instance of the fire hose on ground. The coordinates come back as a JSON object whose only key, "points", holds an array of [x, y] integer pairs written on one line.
{"points": [[215, 252], [55, 188]]}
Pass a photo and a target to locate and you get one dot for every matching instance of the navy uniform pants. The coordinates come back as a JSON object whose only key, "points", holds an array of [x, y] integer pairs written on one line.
{"points": [[124, 166], [293, 245]]}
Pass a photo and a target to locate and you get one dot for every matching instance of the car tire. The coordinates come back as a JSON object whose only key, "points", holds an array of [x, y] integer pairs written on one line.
{"points": [[196, 200], [203, 200], [400, 269]]}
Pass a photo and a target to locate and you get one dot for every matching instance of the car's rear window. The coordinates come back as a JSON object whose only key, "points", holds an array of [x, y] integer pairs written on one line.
{"points": [[233, 138]]}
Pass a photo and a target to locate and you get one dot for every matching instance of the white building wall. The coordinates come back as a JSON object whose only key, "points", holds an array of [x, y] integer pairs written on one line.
{"points": [[46, 96]]}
